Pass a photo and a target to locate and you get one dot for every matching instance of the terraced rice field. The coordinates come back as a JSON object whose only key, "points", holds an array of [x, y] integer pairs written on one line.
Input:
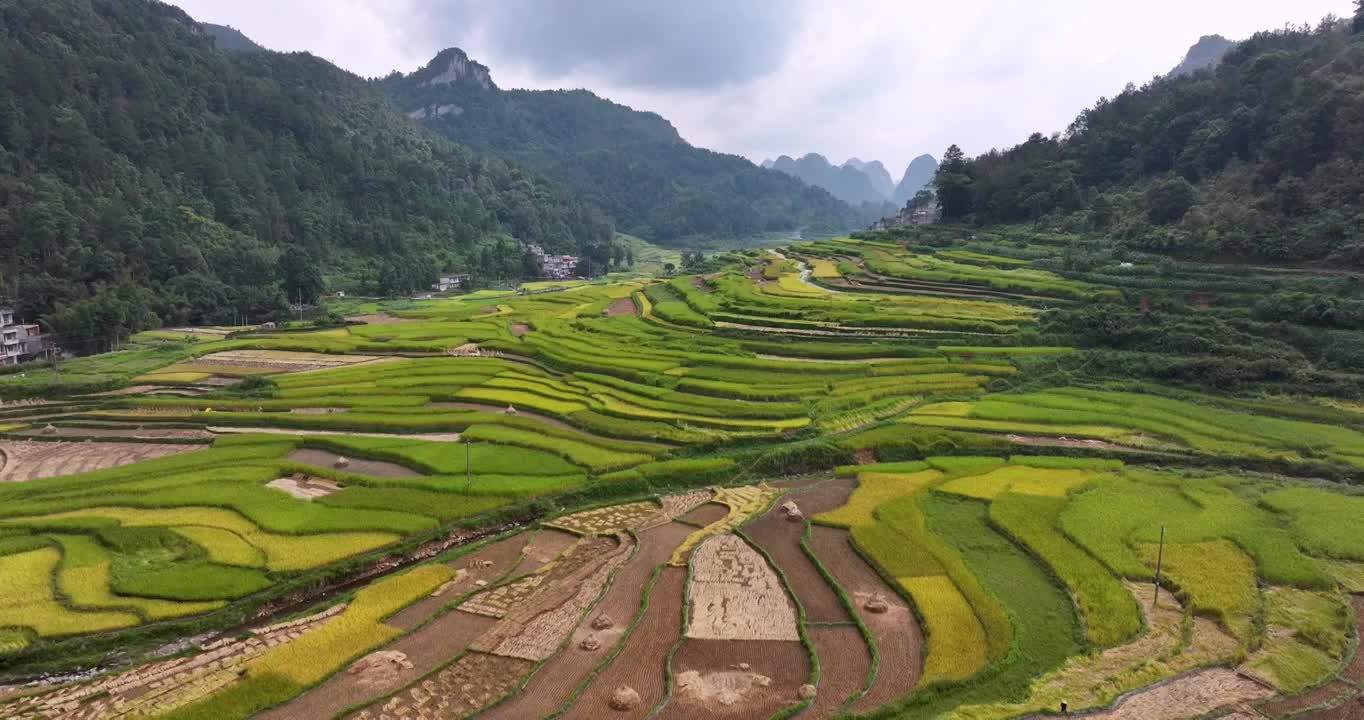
{"points": [[773, 490]]}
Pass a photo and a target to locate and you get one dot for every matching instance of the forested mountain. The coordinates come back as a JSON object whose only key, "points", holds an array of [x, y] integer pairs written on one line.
{"points": [[917, 177], [876, 173], [146, 176], [1259, 158], [632, 164], [230, 38], [846, 182]]}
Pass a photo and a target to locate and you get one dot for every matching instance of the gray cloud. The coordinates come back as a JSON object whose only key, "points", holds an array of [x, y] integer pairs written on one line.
{"points": [[687, 45]]}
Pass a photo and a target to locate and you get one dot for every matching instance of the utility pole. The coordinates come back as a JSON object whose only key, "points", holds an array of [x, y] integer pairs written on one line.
{"points": [[1160, 557]]}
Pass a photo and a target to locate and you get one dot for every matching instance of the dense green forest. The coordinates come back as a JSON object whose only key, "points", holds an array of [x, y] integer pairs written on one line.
{"points": [[632, 164], [148, 178], [1258, 158]]}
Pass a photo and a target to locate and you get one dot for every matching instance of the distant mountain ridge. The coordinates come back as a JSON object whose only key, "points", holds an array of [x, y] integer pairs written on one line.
{"points": [[917, 177], [632, 164], [857, 181]]}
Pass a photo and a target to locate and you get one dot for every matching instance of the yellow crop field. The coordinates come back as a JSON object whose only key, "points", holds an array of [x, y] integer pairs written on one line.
{"points": [[283, 552], [223, 546], [874, 489], [1048, 482], [28, 600], [956, 641]]}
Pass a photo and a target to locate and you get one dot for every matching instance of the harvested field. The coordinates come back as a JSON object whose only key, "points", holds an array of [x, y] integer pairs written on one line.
{"points": [[520, 329], [736, 595], [1192, 695], [515, 596], [899, 642], [494, 408], [606, 520], [484, 565], [472, 682], [277, 360], [379, 319], [699, 282], [534, 630], [33, 459], [743, 503], [551, 685], [620, 306], [711, 512], [327, 458], [729, 679], [133, 431], [779, 536], [423, 651], [641, 662], [844, 661], [159, 687], [304, 487], [433, 437]]}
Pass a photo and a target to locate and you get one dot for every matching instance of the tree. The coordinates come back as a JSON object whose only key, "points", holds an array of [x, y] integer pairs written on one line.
{"points": [[1358, 25], [301, 275], [954, 183], [669, 268], [1169, 200], [921, 199]]}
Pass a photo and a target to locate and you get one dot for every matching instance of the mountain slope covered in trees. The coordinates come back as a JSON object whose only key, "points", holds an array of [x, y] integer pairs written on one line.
{"points": [[146, 176], [632, 164], [1259, 158], [847, 182]]}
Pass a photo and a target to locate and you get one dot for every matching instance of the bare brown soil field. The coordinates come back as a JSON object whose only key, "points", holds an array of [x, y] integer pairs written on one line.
{"points": [[899, 642], [706, 514], [620, 306], [843, 664], [699, 282], [1354, 672], [735, 679], [736, 595], [547, 544], [519, 329], [33, 459], [304, 487], [378, 319], [424, 650], [484, 565], [472, 682], [327, 458], [1193, 695], [554, 681], [489, 310], [780, 537], [1326, 697], [150, 390], [1352, 709], [641, 662]]}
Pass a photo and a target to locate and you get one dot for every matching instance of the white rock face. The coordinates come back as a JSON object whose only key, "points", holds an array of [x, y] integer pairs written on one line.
{"points": [[459, 69]]}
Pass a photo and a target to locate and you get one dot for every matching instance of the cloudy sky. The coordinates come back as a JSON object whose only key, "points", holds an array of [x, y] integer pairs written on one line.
{"points": [[876, 79]]}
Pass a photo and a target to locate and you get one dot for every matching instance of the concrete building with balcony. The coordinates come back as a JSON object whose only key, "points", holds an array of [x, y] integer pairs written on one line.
{"points": [[20, 341]]}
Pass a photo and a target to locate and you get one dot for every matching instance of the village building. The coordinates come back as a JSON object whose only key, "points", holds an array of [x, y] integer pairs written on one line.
{"points": [[20, 341]]}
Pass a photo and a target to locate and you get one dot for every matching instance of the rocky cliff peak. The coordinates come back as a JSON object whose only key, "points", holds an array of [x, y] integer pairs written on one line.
{"points": [[452, 67]]}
